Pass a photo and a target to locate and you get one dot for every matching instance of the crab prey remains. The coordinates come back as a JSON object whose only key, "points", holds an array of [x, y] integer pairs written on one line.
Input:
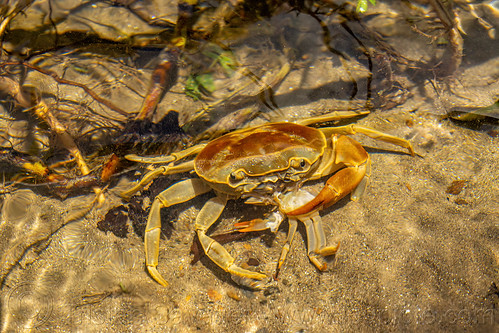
{"points": [[264, 165]]}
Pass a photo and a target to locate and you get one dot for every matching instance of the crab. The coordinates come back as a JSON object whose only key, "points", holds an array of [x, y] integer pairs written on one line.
{"points": [[264, 165]]}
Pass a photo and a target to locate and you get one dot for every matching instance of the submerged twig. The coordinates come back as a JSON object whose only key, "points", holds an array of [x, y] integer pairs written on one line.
{"points": [[68, 82]]}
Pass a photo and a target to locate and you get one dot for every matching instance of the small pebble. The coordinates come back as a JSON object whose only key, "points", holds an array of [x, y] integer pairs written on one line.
{"points": [[234, 295], [253, 262], [214, 295], [456, 187]]}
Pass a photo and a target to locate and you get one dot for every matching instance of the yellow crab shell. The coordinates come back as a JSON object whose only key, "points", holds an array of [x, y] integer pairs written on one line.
{"points": [[237, 162]]}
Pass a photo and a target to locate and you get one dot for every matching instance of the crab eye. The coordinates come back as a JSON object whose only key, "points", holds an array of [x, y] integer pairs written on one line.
{"points": [[303, 163], [236, 175]]}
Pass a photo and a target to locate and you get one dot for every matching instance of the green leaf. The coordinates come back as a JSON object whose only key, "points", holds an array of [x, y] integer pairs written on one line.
{"points": [[224, 58], [191, 88], [362, 5], [198, 85], [228, 63], [206, 82]]}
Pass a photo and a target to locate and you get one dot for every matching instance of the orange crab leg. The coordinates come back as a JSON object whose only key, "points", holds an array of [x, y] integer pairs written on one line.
{"points": [[356, 162]]}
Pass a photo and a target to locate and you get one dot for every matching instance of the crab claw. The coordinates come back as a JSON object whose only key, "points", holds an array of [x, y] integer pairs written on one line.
{"points": [[272, 222], [351, 179], [336, 188], [253, 225]]}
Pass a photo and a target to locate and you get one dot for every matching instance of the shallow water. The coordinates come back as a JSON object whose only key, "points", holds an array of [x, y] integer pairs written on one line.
{"points": [[419, 250]]}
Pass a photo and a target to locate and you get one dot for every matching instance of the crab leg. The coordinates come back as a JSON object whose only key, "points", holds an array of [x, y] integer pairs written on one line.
{"points": [[215, 251], [153, 174], [316, 241], [293, 224], [163, 170], [332, 116], [167, 159], [372, 133], [175, 194]]}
